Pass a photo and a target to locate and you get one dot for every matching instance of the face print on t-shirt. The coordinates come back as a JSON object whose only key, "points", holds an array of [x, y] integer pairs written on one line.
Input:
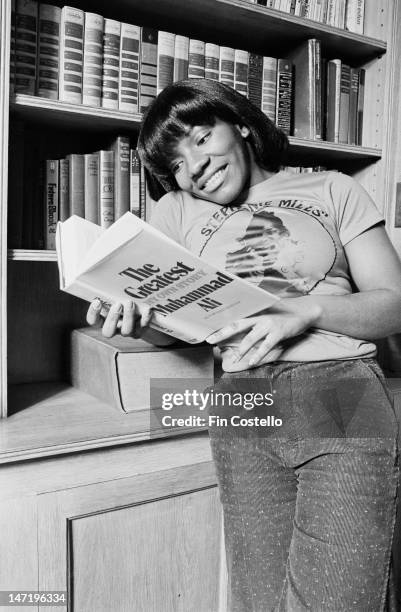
{"points": [[285, 251]]}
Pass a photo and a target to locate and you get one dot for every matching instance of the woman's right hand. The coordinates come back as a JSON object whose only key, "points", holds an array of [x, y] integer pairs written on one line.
{"points": [[122, 316]]}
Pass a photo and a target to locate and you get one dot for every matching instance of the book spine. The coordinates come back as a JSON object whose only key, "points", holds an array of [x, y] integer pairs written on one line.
{"points": [[353, 106], [93, 60], [255, 77], [269, 87], [26, 20], [292, 7], [284, 95], [340, 14], [121, 150], [106, 188], [135, 182], [304, 61], [64, 189], [298, 8], [12, 48], [330, 15], [51, 202], [196, 59], [165, 60], [181, 57], [212, 58], [333, 100], [226, 67], [129, 68], [142, 193], [111, 63], [354, 16], [318, 91], [71, 55], [49, 51], [361, 96], [77, 184], [148, 67], [241, 62], [91, 181], [344, 103]]}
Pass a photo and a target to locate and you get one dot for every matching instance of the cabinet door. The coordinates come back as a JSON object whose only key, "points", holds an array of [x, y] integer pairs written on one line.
{"points": [[145, 543]]}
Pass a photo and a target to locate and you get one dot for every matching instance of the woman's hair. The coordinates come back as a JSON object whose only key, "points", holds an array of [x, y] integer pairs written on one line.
{"points": [[184, 104]]}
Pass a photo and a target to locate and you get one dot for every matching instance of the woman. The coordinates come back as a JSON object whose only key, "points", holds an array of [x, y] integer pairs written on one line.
{"points": [[308, 508]]}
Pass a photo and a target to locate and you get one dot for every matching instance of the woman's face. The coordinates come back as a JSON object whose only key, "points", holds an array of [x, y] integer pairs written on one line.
{"points": [[215, 163]]}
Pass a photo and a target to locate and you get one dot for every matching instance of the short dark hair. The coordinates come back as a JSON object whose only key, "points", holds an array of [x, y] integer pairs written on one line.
{"points": [[200, 102]]}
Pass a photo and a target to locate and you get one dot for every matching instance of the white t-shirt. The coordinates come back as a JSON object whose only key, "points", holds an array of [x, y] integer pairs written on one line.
{"points": [[287, 238]]}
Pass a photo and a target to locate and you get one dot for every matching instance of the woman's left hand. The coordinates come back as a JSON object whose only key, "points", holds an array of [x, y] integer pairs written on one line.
{"points": [[289, 318]]}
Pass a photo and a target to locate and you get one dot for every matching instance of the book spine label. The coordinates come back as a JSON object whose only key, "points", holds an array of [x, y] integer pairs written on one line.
{"points": [[269, 87], [181, 57], [361, 96], [148, 67], [71, 55], [51, 202], [121, 150], [135, 181], [165, 60], [355, 14], [212, 58], [26, 46], [91, 161], [226, 68], [12, 48], [93, 60], [284, 95], [344, 103], [64, 189], [111, 63], [255, 77], [77, 184], [129, 68], [106, 188], [196, 59], [241, 62], [49, 51]]}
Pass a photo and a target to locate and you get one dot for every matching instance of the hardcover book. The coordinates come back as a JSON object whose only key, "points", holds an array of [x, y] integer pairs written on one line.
{"points": [[181, 54], [51, 202], [212, 59], [93, 60], [121, 148], [26, 46], [165, 60], [241, 62], [91, 162], [269, 87], [111, 63], [71, 54], [190, 298], [129, 68], [48, 52], [196, 59], [226, 72], [119, 370], [148, 67]]}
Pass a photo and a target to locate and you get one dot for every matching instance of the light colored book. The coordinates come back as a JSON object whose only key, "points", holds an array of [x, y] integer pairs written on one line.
{"points": [[212, 59], [48, 51], [148, 68], [354, 16], [91, 161], [111, 63], [121, 147], [135, 183], [64, 189], [226, 68], [181, 54], [106, 188], [165, 60], [128, 92], [189, 297], [269, 87], [93, 60], [76, 171], [196, 59], [71, 54]]}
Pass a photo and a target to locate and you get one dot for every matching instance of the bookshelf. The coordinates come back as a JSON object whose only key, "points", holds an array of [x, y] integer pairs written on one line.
{"points": [[39, 316]]}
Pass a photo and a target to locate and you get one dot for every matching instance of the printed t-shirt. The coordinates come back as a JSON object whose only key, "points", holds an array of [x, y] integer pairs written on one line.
{"points": [[287, 238]]}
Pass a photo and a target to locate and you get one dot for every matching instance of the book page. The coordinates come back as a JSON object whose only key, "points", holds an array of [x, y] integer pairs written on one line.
{"points": [[74, 239]]}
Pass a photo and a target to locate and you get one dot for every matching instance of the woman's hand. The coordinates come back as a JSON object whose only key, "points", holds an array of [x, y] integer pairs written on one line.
{"points": [[289, 318], [122, 316]]}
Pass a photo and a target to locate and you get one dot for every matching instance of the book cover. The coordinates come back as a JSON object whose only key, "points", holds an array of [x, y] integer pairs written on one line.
{"points": [[196, 59], [165, 60], [255, 78], [226, 67], [360, 105], [304, 61], [76, 174], [119, 370], [111, 63], [132, 260], [121, 148], [241, 61], [71, 54], [93, 60], [212, 59], [129, 68], [48, 51], [135, 183], [106, 188], [26, 27], [284, 95], [91, 185], [354, 16], [51, 193], [333, 84], [269, 87], [344, 103], [148, 68], [64, 188], [181, 57]]}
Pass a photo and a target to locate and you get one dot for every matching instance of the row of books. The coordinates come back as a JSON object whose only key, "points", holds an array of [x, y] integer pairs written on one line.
{"points": [[344, 14], [99, 186]]}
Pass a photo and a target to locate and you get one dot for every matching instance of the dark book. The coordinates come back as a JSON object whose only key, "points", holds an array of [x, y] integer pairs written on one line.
{"points": [[48, 51], [284, 95], [353, 106], [344, 103], [361, 97], [121, 149], [148, 68], [26, 26], [255, 77], [333, 82], [305, 59], [76, 172]]}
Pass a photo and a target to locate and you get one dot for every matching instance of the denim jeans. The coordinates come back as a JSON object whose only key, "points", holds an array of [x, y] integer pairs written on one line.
{"points": [[309, 505]]}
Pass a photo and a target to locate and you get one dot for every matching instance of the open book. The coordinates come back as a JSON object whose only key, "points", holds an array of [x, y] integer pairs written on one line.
{"points": [[132, 260]]}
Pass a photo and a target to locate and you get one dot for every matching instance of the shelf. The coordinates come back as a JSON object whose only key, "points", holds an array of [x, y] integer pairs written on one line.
{"points": [[241, 24], [55, 112], [54, 418], [31, 255], [331, 151]]}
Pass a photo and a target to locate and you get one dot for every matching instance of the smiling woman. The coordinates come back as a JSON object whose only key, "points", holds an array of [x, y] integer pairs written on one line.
{"points": [[308, 506]]}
